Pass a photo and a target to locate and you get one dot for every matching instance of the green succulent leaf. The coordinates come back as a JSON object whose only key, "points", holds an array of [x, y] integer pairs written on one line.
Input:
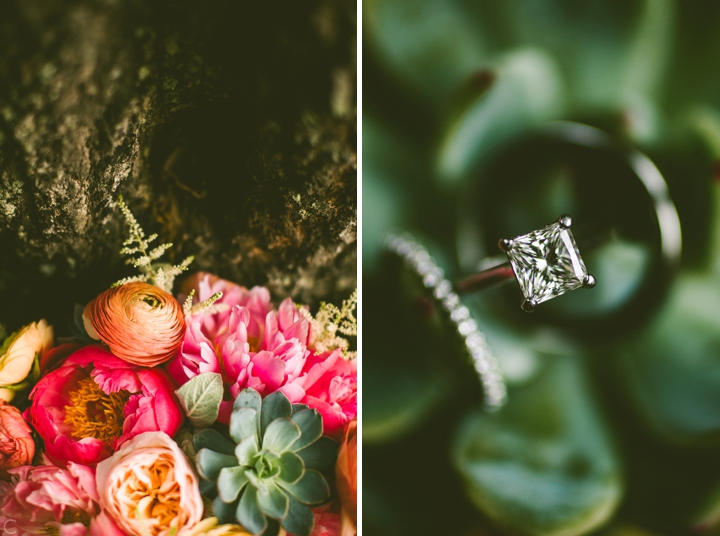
{"points": [[280, 435], [299, 520], [274, 502], [246, 450], [243, 423], [223, 511], [299, 407], [230, 483], [312, 488], [310, 423], [213, 440], [291, 467], [200, 398], [321, 455], [274, 406], [208, 488], [248, 398], [210, 463], [248, 512], [256, 482]]}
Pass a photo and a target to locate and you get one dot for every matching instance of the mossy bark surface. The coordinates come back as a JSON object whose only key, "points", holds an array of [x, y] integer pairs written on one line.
{"points": [[229, 128]]}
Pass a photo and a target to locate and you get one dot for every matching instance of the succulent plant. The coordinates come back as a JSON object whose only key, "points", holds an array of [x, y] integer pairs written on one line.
{"points": [[271, 475]]}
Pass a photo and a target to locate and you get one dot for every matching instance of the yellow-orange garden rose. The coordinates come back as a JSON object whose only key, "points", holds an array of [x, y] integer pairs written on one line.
{"points": [[149, 487], [17, 446], [140, 323], [210, 527], [346, 477], [17, 359]]}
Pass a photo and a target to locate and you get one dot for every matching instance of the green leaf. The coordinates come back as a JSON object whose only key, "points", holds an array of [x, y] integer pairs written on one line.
{"points": [[230, 483], [246, 450], [200, 398], [299, 407], [291, 466], [210, 463], [208, 488], [249, 514], [274, 502], [213, 440], [243, 423], [248, 398], [544, 464], [312, 488], [299, 520], [280, 435], [223, 511], [321, 455], [311, 426], [274, 406]]}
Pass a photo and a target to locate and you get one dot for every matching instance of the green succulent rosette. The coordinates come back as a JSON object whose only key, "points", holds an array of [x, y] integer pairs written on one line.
{"points": [[272, 475]]}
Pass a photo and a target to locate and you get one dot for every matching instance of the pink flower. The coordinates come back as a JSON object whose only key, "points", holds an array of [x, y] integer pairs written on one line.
{"points": [[42, 498], [85, 409], [17, 446], [334, 394]]}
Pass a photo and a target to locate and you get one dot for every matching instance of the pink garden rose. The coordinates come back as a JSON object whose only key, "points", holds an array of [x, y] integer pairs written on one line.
{"points": [[46, 499], [94, 402], [17, 446]]}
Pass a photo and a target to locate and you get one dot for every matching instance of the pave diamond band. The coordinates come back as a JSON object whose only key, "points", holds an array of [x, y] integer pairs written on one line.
{"points": [[418, 259], [546, 264]]}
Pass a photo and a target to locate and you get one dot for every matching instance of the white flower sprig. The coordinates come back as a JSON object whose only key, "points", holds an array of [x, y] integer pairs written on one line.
{"points": [[161, 275], [331, 320], [208, 306]]}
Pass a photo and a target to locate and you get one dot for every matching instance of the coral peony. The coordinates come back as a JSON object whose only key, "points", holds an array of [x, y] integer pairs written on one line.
{"points": [[149, 487], [18, 354], [140, 323], [334, 394], [94, 402], [48, 499], [17, 446], [346, 475]]}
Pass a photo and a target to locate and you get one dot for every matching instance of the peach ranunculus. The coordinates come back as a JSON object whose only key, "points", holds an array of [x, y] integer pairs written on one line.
{"points": [[346, 477], [140, 323], [18, 355], [149, 487], [17, 446], [210, 527]]}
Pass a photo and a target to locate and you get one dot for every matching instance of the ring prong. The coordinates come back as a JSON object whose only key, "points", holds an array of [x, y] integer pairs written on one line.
{"points": [[565, 221], [588, 281], [506, 244], [528, 305]]}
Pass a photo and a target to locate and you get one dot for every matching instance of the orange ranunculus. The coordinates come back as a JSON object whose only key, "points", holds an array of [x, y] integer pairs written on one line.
{"points": [[141, 323], [346, 476], [17, 446]]}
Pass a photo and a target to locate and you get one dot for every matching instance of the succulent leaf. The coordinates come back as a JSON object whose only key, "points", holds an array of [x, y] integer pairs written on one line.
{"points": [[246, 450], [248, 512], [310, 422], [273, 501], [208, 488], [248, 398], [280, 435], [243, 423], [291, 467], [311, 488], [320, 455], [274, 406], [210, 463], [230, 483], [213, 440], [223, 511], [299, 520], [299, 407]]}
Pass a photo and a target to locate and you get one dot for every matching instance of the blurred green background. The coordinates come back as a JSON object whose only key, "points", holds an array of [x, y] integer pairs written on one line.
{"points": [[484, 119]]}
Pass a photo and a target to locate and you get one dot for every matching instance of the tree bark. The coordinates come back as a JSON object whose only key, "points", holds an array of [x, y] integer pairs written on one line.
{"points": [[228, 127]]}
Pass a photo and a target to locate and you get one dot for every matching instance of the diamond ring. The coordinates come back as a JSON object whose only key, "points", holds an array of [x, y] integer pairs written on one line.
{"points": [[546, 264]]}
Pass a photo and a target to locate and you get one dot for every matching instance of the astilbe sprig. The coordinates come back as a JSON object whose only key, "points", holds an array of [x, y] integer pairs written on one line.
{"points": [[137, 246], [331, 320]]}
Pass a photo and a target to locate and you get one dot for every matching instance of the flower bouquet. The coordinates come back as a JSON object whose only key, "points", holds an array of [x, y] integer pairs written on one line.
{"points": [[210, 413]]}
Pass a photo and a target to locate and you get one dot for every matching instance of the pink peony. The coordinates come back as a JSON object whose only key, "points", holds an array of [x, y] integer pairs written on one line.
{"points": [[17, 446], [334, 394], [46, 498], [85, 409]]}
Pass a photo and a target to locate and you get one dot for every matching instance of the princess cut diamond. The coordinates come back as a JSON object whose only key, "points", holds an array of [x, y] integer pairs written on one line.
{"points": [[547, 263]]}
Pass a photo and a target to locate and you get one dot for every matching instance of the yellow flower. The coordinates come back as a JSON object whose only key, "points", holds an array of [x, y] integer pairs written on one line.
{"points": [[210, 527], [19, 352], [149, 487]]}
